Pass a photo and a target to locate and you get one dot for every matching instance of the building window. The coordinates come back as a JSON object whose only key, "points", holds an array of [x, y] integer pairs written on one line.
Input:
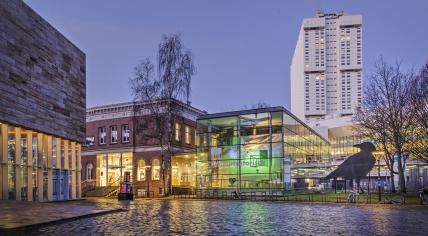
{"points": [[177, 131], [141, 170], [125, 133], [90, 141], [187, 135], [155, 169], [102, 135], [11, 149], [113, 134], [89, 168]]}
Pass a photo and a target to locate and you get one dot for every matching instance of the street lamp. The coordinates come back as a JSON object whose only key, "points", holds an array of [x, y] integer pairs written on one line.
{"points": [[147, 168], [378, 157]]}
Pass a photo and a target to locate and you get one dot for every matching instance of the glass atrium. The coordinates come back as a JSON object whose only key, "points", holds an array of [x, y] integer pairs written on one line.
{"points": [[257, 150]]}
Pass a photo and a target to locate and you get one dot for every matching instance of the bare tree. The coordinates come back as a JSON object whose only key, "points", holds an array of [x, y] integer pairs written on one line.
{"points": [[386, 111], [418, 147], [159, 92], [370, 127], [260, 104]]}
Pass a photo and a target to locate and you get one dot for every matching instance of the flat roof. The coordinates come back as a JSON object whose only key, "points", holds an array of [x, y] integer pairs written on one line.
{"points": [[257, 110]]}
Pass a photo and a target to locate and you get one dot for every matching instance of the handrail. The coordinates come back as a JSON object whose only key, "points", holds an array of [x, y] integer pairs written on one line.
{"points": [[88, 180], [114, 182]]}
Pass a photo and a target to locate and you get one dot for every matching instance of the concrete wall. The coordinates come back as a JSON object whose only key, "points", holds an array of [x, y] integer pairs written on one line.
{"points": [[42, 74]]}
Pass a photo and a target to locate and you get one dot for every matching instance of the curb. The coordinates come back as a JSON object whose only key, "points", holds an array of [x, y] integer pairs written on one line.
{"points": [[22, 229]]}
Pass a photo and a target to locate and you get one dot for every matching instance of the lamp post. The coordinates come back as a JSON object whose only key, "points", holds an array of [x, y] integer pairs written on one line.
{"points": [[378, 180], [147, 168]]}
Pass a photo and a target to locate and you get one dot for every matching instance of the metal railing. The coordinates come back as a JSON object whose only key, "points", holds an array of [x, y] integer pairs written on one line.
{"points": [[302, 196]]}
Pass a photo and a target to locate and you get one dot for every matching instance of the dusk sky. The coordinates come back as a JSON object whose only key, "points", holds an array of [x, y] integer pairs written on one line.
{"points": [[242, 49]]}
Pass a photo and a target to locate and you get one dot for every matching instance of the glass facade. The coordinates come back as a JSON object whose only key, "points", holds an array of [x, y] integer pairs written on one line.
{"points": [[36, 166], [183, 170], [342, 147], [255, 150], [111, 167]]}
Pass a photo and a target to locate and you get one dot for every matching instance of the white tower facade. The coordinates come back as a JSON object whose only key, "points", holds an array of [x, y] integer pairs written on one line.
{"points": [[326, 69]]}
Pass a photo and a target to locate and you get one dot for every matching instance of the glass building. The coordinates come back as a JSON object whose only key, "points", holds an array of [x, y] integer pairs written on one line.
{"points": [[266, 149], [38, 167]]}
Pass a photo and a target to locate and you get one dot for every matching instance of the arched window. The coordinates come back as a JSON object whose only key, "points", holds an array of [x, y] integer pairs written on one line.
{"points": [[155, 169], [89, 168], [141, 170]]}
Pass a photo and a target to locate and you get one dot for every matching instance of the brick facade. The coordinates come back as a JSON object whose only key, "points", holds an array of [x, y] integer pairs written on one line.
{"points": [[141, 143]]}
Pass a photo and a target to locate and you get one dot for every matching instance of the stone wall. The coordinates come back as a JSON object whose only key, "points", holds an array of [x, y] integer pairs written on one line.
{"points": [[42, 74]]}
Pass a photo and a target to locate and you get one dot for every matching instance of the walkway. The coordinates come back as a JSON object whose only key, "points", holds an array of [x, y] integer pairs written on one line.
{"points": [[21, 214]]}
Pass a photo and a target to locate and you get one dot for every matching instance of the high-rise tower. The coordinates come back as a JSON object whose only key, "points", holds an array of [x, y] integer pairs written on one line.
{"points": [[326, 69]]}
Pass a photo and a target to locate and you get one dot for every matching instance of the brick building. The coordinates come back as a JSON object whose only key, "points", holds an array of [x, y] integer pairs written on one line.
{"points": [[121, 139]]}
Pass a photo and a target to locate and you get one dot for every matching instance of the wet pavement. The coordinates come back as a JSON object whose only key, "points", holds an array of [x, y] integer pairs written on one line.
{"points": [[198, 217], [15, 214]]}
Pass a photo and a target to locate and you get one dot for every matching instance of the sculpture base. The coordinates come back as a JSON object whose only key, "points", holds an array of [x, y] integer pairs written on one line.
{"points": [[125, 196]]}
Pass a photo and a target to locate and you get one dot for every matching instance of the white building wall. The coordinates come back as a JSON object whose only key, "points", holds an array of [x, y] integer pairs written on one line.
{"points": [[296, 85], [326, 68]]}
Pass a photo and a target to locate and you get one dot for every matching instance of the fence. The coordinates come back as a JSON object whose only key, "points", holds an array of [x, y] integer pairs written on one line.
{"points": [[302, 196]]}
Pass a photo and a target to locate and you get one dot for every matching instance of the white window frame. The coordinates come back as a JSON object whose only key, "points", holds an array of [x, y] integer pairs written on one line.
{"points": [[113, 134], [102, 135], [125, 134]]}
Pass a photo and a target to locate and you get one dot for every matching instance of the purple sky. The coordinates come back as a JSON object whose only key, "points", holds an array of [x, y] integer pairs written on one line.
{"points": [[242, 49]]}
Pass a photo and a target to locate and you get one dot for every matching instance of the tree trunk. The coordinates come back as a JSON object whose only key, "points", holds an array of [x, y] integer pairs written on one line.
{"points": [[391, 179], [401, 180], [162, 165], [170, 146]]}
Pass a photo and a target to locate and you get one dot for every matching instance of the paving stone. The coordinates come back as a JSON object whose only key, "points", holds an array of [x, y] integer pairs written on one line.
{"points": [[181, 217], [15, 214]]}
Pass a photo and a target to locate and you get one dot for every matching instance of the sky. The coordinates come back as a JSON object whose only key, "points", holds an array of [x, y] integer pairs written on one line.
{"points": [[242, 49]]}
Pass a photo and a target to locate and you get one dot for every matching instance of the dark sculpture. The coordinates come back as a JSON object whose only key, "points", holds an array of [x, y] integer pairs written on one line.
{"points": [[358, 165]]}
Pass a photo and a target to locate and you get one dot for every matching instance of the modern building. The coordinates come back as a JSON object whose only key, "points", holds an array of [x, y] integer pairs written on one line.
{"points": [[265, 149], [124, 137], [341, 133], [326, 69], [42, 108]]}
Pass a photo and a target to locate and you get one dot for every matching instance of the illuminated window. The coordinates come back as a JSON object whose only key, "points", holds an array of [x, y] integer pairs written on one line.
{"points": [[125, 133], [89, 168], [113, 134], [141, 170], [102, 135], [177, 131], [53, 152], [187, 131], [155, 169]]}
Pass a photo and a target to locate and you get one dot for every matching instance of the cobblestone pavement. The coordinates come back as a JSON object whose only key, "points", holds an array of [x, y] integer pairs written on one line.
{"points": [[21, 213], [193, 217]]}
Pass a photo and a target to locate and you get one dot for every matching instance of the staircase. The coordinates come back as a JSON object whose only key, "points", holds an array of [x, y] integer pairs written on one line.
{"points": [[106, 191]]}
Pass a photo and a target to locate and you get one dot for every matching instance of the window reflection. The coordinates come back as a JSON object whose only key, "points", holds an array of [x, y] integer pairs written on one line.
{"points": [[155, 169]]}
